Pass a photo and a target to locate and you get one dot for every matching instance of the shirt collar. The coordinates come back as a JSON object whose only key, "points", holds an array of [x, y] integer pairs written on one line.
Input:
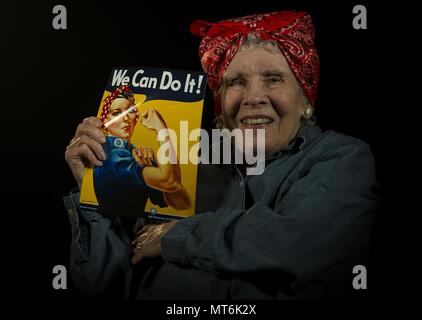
{"points": [[308, 133], [115, 142], [304, 136]]}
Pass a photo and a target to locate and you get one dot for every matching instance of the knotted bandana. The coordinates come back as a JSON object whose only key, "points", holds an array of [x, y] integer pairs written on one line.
{"points": [[293, 31], [121, 92]]}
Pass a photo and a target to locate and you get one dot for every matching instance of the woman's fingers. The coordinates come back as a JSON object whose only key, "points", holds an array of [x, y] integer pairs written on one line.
{"points": [[143, 155], [138, 154], [90, 131], [144, 229], [144, 115], [147, 242], [77, 156], [135, 154], [137, 257], [94, 146], [87, 153], [82, 149], [85, 147], [143, 239], [139, 239], [149, 156], [91, 127], [93, 121]]}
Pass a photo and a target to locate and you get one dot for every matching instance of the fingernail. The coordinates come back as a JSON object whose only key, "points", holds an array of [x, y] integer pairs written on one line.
{"points": [[98, 163]]}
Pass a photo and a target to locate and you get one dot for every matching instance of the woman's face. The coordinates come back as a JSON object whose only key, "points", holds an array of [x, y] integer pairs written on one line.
{"points": [[125, 124], [261, 92]]}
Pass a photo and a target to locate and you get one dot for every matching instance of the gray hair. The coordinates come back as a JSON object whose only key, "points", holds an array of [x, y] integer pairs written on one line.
{"points": [[253, 40]]}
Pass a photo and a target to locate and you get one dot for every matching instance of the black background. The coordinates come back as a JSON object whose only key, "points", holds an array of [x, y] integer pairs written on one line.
{"points": [[52, 79]]}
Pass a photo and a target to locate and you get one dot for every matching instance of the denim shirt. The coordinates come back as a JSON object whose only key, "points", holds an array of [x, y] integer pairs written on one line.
{"points": [[294, 231]]}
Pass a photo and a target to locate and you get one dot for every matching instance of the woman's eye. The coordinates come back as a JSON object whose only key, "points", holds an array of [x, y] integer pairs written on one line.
{"points": [[237, 82], [115, 114], [274, 79]]}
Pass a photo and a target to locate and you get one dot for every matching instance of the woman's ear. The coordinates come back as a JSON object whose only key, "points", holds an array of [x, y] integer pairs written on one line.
{"points": [[308, 112], [218, 122]]}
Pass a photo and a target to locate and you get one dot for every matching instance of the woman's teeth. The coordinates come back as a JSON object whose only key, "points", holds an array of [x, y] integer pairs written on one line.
{"points": [[249, 121]]}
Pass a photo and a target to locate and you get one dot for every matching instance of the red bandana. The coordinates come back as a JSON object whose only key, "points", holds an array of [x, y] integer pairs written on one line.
{"points": [[293, 31], [122, 91]]}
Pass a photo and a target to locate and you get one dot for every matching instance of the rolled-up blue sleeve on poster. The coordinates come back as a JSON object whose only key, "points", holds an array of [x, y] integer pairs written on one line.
{"points": [[129, 174]]}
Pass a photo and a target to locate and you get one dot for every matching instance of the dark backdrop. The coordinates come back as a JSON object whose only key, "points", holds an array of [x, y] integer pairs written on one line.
{"points": [[52, 79]]}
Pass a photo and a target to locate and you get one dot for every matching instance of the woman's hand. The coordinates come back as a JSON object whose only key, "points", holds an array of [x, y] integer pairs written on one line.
{"points": [[153, 120], [148, 241], [85, 148], [144, 156]]}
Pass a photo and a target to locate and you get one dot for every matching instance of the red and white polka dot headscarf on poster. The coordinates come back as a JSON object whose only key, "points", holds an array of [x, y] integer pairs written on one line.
{"points": [[293, 31], [120, 92]]}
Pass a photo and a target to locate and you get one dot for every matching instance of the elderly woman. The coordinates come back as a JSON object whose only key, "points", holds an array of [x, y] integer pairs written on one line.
{"points": [[294, 231]]}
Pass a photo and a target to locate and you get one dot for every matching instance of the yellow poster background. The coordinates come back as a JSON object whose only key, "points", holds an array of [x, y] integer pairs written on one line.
{"points": [[173, 112]]}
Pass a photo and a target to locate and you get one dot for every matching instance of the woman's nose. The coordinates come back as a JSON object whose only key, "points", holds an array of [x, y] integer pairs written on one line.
{"points": [[255, 95]]}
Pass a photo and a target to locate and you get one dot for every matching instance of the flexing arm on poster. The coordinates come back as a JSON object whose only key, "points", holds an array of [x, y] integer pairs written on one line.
{"points": [[166, 176]]}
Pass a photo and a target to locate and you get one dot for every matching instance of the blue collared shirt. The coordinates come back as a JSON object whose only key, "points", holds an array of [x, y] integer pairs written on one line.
{"points": [[119, 184], [294, 231]]}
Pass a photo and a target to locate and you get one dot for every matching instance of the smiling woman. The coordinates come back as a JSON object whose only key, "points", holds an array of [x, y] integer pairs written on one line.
{"points": [[261, 92], [296, 230]]}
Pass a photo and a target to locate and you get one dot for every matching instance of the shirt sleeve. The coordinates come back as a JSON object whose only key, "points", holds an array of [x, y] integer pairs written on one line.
{"points": [[316, 224], [129, 174], [126, 169], [100, 251]]}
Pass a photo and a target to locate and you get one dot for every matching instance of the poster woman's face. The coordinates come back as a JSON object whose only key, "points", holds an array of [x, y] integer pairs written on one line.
{"points": [[124, 126]]}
